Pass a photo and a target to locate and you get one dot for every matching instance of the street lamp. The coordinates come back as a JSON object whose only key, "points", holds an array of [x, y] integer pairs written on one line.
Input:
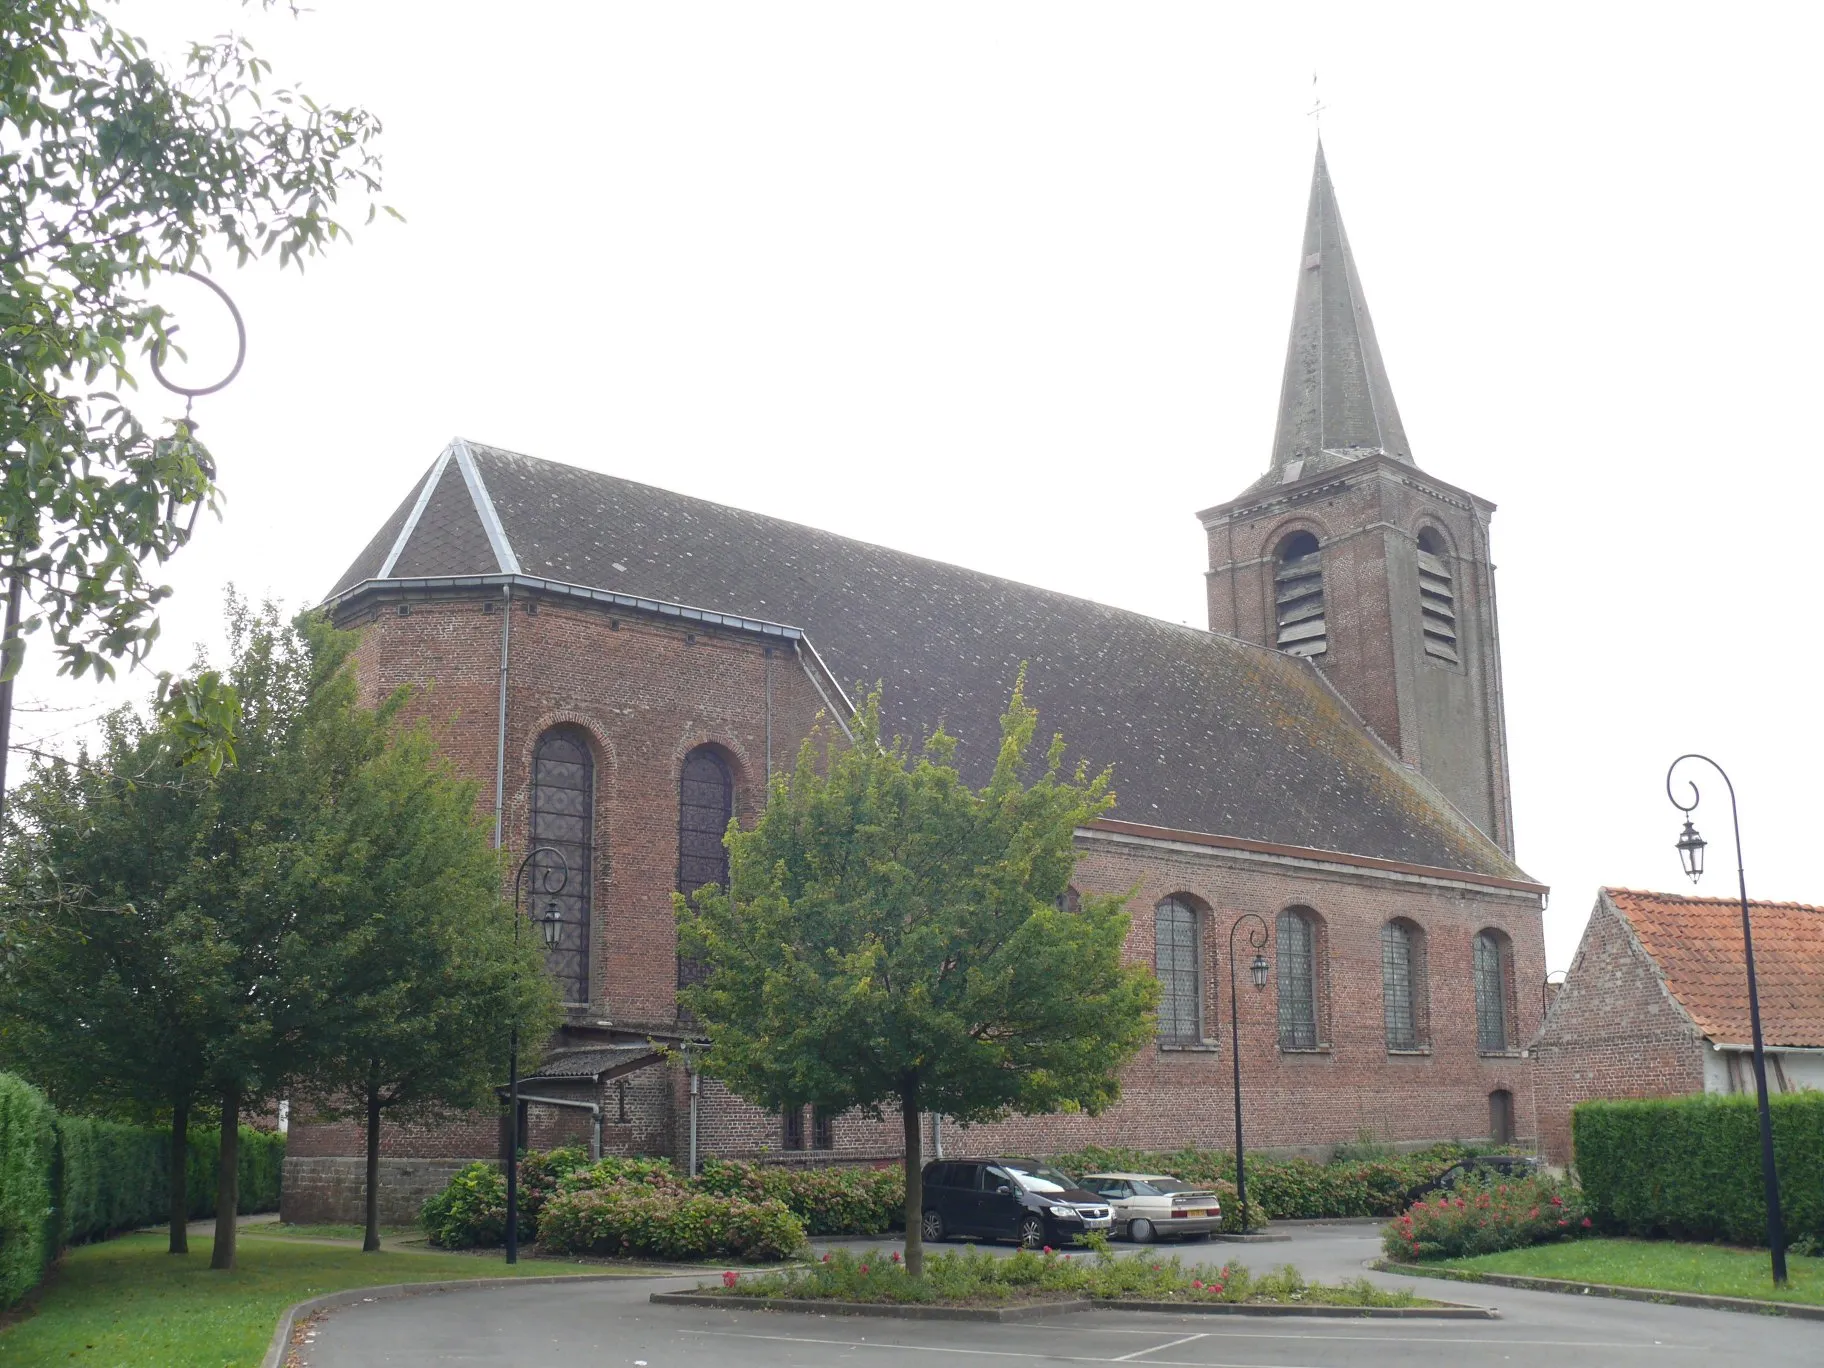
{"points": [[1258, 935], [1690, 848], [553, 882]]}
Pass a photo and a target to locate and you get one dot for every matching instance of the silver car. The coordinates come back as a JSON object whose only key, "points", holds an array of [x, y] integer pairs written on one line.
{"points": [[1150, 1205]]}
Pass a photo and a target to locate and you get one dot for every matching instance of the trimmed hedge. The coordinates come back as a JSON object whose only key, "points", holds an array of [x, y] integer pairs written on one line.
{"points": [[828, 1201], [1690, 1167], [1286, 1189], [627, 1219], [66, 1179]]}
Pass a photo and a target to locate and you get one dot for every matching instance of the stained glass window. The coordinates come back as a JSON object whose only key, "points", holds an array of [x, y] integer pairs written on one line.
{"points": [[563, 820], [1492, 1024], [706, 801], [1297, 982], [1176, 961]]}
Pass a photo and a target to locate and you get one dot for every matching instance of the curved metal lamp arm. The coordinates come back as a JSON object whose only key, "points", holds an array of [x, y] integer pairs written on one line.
{"points": [[1258, 935], [545, 875], [1690, 807], [240, 334]]}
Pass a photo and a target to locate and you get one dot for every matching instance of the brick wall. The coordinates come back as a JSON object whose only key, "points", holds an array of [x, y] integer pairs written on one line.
{"points": [[334, 1190], [1613, 1031]]}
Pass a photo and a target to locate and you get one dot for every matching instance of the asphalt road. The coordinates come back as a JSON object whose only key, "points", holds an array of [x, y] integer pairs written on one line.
{"points": [[612, 1325]]}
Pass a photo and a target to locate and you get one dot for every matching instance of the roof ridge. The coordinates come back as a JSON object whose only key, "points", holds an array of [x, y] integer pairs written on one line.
{"points": [[1707, 900]]}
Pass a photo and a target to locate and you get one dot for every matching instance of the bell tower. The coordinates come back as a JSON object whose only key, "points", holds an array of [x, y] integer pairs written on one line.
{"points": [[1347, 554]]}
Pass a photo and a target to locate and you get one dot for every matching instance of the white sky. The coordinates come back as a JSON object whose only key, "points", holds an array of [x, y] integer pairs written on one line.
{"points": [[1009, 284]]}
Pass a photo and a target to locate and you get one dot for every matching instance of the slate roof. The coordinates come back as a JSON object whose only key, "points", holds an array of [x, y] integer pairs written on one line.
{"points": [[591, 1062], [1697, 944], [1335, 401], [1205, 733]]}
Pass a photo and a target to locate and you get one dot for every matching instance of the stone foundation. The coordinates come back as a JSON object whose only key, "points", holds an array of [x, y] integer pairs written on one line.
{"points": [[334, 1190]]}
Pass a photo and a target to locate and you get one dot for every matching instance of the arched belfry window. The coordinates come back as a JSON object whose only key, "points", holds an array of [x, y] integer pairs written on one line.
{"points": [[1437, 598], [706, 802], [563, 819], [1298, 597], [1178, 963], [1300, 959]]}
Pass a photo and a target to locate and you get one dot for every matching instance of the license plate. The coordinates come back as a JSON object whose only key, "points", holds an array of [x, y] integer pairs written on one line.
{"points": [[1195, 1213]]}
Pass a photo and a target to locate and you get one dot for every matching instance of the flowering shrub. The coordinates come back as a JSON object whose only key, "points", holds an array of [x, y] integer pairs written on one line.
{"points": [[657, 1174], [539, 1176], [830, 1201], [977, 1276], [627, 1219], [471, 1211], [1484, 1218]]}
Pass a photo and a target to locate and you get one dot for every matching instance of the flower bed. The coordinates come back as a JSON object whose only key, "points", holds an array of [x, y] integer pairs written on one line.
{"points": [[1486, 1218], [974, 1277]]}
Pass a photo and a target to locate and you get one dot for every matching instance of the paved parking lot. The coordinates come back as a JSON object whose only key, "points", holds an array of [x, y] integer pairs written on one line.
{"points": [[612, 1325]]}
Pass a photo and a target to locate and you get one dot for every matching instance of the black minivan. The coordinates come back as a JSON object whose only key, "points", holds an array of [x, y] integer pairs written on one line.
{"points": [[1009, 1199]]}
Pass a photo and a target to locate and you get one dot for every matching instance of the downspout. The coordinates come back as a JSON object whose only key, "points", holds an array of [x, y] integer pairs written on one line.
{"points": [[937, 1135], [593, 1108], [691, 1066], [500, 736], [769, 719]]}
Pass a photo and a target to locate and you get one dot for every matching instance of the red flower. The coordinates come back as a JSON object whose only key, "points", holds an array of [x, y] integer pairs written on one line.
{"points": [[864, 1268], [826, 1258], [1586, 1222], [1557, 1201], [1216, 1287], [1564, 1223], [1533, 1215], [1197, 1286], [896, 1256], [1155, 1268], [1048, 1249], [730, 1278]]}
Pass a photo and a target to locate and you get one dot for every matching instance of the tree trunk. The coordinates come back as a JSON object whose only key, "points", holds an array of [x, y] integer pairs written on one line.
{"points": [[370, 1243], [180, 1176], [915, 1177], [227, 1182]]}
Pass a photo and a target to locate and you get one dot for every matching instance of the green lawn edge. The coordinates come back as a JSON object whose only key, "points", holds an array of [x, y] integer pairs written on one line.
{"points": [[126, 1303], [1652, 1266]]}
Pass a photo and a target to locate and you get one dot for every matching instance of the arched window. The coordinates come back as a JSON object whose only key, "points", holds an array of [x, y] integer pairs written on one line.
{"points": [[1178, 961], [1403, 985], [1494, 992], [706, 801], [1299, 954], [563, 819], [1437, 597], [1298, 597]]}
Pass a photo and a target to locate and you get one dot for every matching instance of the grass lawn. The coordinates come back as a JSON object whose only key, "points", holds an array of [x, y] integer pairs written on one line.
{"points": [[330, 1232], [1663, 1265], [126, 1303]]}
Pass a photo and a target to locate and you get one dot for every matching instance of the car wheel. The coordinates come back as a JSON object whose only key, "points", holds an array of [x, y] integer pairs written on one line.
{"points": [[932, 1227], [1032, 1232], [1140, 1230]]}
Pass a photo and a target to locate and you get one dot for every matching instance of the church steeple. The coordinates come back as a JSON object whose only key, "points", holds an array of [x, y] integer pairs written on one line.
{"points": [[1335, 404]]}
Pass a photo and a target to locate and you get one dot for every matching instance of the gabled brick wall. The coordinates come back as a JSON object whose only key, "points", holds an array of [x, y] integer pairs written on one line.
{"points": [[1613, 1031]]}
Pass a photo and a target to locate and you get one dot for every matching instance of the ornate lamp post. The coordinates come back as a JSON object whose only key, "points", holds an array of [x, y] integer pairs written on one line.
{"points": [[1258, 935], [551, 924], [1690, 848]]}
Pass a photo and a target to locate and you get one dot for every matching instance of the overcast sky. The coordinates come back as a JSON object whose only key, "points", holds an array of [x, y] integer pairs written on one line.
{"points": [[1009, 284]]}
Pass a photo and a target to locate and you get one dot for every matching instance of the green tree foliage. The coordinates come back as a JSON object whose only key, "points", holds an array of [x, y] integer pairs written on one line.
{"points": [[892, 936], [113, 170], [428, 968], [173, 938]]}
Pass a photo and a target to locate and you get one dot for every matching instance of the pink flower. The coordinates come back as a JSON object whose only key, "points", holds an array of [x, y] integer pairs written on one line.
{"points": [[826, 1258], [1533, 1215], [1557, 1201], [1586, 1222], [1155, 1268], [1198, 1285], [1067, 1258], [864, 1269], [1048, 1249], [730, 1278], [896, 1256], [1216, 1287], [1564, 1223]]}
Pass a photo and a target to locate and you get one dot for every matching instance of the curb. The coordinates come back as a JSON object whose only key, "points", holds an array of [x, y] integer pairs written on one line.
{"points": [[895, 1311], [1040, 1310], [1702, 1300], [1256, 1238], [354, 1296]]}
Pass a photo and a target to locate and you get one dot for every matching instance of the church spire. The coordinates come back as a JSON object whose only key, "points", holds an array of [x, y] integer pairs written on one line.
{"points": [[1335, 404]]}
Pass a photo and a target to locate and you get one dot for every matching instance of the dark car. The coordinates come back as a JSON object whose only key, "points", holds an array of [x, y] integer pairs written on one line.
{"points": [[1480, 1167], [1009, 1199]]}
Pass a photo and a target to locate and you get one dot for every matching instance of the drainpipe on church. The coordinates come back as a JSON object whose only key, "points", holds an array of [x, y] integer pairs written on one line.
{"points": [[690, 1065]]}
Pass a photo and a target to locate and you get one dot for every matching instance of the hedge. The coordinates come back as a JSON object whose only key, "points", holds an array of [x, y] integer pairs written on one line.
{"points": [[65, 1179], [626, 1219], [834, 1200], [1690, 1167]]}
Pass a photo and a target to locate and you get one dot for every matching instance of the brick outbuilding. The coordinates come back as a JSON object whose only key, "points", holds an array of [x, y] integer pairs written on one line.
{"points": [[1656, 1005], [623, 668]]}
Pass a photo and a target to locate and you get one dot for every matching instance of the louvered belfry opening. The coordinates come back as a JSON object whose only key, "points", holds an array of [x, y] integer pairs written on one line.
{"points": [[1298, 594], [706, 801], [1437, 598], [563, 819]]}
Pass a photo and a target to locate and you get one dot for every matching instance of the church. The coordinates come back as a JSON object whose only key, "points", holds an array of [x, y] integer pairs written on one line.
{"points": [[621, 669]]}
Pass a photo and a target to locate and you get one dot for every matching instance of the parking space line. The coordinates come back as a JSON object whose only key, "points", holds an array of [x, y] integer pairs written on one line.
{"points": [[1153, 1349], [978, 1353]]}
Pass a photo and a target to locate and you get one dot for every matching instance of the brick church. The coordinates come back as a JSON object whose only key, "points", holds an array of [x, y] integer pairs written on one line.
{"points": [[622, 668]]}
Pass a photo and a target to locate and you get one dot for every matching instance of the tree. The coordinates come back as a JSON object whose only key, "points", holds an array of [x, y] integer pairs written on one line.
{"points": [[892, 936], [428, 970], [114, 170], [154, 953]]}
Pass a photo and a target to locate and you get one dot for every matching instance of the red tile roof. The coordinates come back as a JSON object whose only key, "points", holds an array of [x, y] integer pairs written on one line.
{"points": [[1697, 943]]}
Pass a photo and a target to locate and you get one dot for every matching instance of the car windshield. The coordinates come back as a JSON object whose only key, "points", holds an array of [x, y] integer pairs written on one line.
{"points": [[1039, 1178]]}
